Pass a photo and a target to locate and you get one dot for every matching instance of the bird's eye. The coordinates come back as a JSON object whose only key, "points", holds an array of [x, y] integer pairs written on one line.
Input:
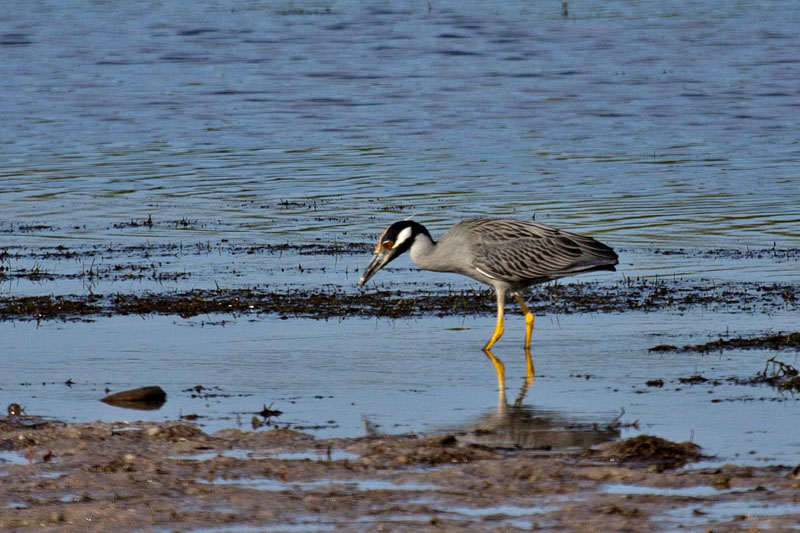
{"points": [[387, 245]]}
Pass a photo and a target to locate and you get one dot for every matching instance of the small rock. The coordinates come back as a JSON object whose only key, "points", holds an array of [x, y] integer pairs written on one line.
{"points": [[145, 398]]}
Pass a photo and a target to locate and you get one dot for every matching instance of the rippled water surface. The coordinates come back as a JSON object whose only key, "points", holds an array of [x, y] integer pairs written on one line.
{"points": [[219, 125], [671, 122]]}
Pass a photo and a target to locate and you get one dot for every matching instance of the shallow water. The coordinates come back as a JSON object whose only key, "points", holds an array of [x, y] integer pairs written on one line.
{"points": [[169, 138], [345, 378], [725, 511], [697, 491]]}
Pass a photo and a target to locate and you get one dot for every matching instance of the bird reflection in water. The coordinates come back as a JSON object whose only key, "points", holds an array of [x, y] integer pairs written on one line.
{"points": [[518, 425], [500, 370]]}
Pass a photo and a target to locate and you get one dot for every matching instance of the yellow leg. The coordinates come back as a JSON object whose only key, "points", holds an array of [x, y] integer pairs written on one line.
{"points": [[498, 332], [498, 329], [528, 319], [529, 373]]}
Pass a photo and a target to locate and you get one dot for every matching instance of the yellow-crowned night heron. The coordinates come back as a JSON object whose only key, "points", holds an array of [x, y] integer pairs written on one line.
{"points": [[507, 254]]}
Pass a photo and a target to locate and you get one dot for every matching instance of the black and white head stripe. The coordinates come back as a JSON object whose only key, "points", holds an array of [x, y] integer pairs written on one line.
{"points": [[393, 242], [399, 236]]}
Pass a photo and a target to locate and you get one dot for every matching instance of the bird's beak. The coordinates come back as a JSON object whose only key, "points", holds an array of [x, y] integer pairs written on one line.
{"points": [[379, 260]]}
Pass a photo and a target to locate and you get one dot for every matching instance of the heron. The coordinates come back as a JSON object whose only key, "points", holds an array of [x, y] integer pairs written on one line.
{"points": [[508, 254]]}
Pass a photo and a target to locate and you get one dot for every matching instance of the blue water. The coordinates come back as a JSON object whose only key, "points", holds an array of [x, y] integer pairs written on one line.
{"points": [[651, 125], [650, 121]]}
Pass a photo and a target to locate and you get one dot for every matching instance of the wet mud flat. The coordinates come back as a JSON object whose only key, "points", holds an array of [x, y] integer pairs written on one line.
{"points": [[629, 295], [313, 280], [172, 476]]}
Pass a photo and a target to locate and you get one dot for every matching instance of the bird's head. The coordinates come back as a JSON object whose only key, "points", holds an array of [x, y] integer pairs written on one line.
{"points": [[394, 240]]}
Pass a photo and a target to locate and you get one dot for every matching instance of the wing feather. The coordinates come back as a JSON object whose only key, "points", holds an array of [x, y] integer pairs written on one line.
{"points": [[527, 252]]}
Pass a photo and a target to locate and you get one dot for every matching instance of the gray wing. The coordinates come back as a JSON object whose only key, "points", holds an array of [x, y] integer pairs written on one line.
{"points": [[526, 252]]}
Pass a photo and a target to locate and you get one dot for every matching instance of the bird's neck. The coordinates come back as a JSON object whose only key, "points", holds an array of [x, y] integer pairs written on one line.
{"points": [[427, 255]]}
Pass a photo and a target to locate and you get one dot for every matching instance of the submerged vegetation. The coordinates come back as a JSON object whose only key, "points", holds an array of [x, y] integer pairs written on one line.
{"points": [[162, 269], [335, 302], [776, 341], [780, 375]]}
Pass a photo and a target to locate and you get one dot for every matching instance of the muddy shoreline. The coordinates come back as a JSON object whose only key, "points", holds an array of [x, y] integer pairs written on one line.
{"points": [[128, 476], [172, 475], [630, 295], [140, 279]]}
